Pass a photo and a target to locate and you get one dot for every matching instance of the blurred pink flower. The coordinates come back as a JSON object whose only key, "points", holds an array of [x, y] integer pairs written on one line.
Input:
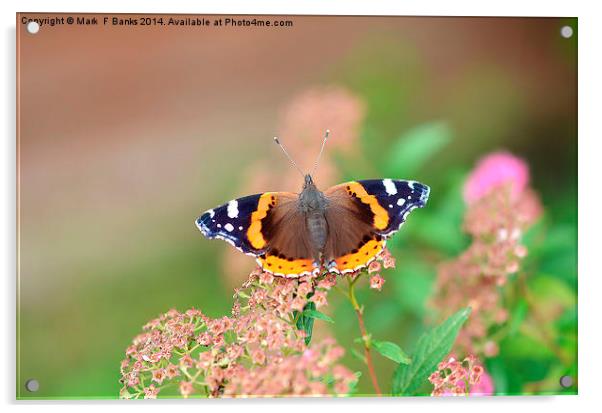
{"points": [[186, 388], [496, 221], [493, 171], [484, 387], [376, 282]]}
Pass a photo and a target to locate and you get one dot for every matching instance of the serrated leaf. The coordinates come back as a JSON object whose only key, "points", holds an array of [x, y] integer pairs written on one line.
{"points": [[432, 346], [414, 147], [391, 351], [317, 315]]}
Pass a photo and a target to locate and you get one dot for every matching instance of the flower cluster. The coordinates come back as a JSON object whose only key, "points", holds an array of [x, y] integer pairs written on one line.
{"points": [[258, 351], [500, 208], [284, 296], [384, 260], [311, 372], [459, 378]]}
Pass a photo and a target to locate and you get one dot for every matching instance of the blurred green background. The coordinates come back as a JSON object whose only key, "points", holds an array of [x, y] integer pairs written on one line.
{"points": [[127, 134]]}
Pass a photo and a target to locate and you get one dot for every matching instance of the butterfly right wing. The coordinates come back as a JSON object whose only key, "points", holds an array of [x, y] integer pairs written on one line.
{"points": [[363, 214]]}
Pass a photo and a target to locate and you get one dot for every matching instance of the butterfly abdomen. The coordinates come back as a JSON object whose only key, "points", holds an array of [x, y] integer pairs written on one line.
{"points": [[318, 231]]}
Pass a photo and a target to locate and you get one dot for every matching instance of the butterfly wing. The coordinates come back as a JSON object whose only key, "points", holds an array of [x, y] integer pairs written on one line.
{"points": [[267, 226], [362, 214]]}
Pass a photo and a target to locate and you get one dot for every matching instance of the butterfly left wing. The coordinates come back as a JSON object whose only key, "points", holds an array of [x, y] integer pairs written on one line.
{"points": [[362, 214], [267, 226], [238, 222]]}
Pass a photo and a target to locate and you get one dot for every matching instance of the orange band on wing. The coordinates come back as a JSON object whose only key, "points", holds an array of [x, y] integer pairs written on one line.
{"points": [[254, 235], [381, 217], [362, 257], [286, 267]]}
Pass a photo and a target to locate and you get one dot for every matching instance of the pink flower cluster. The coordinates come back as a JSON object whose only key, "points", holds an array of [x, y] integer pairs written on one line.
{"points": [[386, 260], [305, 373], [460, 378], [258, 351], [500, 209], [283, 296]]}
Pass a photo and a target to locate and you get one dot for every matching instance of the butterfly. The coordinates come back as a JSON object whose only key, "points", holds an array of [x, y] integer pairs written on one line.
{"points": [[341, 230]]}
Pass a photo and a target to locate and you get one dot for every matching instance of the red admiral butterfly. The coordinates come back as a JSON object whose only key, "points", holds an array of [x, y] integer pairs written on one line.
{"points": [[342, 229]]}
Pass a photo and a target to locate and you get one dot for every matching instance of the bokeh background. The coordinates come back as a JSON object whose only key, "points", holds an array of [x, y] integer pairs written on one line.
{"points": [[126, 134]]}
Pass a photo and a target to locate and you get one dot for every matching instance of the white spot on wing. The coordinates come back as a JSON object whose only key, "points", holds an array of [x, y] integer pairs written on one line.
{"points": [[229, 227], [390, 186], [233, 209], [401, 201], [240, 228], [211, 213]]}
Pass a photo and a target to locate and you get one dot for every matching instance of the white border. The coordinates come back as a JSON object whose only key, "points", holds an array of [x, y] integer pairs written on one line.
{"points": [[590, 133]]}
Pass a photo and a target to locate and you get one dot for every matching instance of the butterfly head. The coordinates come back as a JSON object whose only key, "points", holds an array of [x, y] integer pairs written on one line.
{"points": [[309, 182], [311, 198]]}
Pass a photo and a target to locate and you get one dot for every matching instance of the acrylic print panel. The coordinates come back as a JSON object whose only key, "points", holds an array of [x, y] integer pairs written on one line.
{"points": [[142, 139]]}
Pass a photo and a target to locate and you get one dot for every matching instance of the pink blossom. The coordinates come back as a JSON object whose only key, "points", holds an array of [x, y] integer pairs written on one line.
{"points": [[186, 361], [159, 375], [319, 298], [387, 259], [484, 387], [377, 282], [258, 356], [494, 170], [374, 267], [186, 388], [303, 289], [520, 251], [172, 371], [298, 304], [151, 392], [266, 278]]}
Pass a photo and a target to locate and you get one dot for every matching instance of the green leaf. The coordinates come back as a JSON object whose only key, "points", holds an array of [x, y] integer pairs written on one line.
{"points": [[391, 351], [415, 147], [229, 337], [358, 340], [353, 384], [518, 316], [317, 314], [432, 346], [413, 284], [358, 355], [306, 323]]}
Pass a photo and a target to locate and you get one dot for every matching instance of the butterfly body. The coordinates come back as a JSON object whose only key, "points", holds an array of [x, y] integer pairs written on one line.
{"points": [[340, 230], [313, 204]]}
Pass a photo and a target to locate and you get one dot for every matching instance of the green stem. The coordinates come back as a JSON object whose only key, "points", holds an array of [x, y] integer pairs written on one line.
{"points": [[359, 310]]}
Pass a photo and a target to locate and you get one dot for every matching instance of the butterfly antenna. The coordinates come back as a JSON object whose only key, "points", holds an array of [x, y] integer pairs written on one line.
{"points": [[321, 150], [287, 155]]}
